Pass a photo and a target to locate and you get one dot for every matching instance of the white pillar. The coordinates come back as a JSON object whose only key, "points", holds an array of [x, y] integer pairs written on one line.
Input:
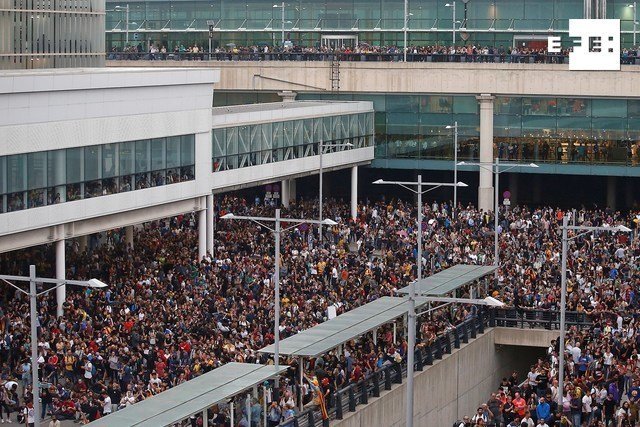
{"points": [[284, 193], [202, 233], [293, 192], [354, 192], [485, 189], [61, 292], [611, 192], [128, 238], [210, 224]]}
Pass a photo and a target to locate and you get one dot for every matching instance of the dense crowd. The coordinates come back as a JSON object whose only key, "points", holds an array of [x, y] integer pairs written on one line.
{"points": [[463, 52], [167, 316]]}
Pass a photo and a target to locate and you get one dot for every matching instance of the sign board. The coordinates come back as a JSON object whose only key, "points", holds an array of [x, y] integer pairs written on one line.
{"points": [[597, 48]]}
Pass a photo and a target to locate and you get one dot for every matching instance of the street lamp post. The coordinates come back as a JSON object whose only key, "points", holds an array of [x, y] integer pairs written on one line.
{"points": [[277, 231], [495, 169], [563, 287], [455, 167], [411, 326], [126, 11], [33, 309], [635, 21], [281, 22], [321, 147], [404, 28], [452, 5]]}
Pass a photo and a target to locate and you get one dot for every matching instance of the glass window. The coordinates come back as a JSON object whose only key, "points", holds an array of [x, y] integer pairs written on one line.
{"points": [[187, 150], [74, 165], [506, 105], [465, 104], [37, 170], [173, 151], [142, 156], [158, 160], [609, 108], [539, 106], [574, 107], [633, 106], [109, 163], [126, 158], [3, 176], [56, 167], [16, 173], [92, 163]]}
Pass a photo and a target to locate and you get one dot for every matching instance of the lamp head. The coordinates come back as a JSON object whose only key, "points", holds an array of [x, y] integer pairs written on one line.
{"points": [[493, 302], [623, 229], [379, 181], [533, 165], [448, 127], [461, 163], [95, 283], [227, 216], [348, 144], [461, 184], [328, 221]]}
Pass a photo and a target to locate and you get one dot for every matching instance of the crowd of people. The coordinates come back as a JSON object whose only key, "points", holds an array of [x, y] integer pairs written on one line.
{"points": [[464, 52], [168, 316]]}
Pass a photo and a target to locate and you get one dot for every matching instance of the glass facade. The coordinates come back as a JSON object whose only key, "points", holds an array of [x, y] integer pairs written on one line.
{"points": [[250, 145], [540, 129], [311, 23], [50, 177]]}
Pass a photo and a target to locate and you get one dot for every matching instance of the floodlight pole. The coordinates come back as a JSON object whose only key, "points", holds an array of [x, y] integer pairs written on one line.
{"points": [[411, 314], [563, 289], [33, 313], [277, 231], [321, 147]]}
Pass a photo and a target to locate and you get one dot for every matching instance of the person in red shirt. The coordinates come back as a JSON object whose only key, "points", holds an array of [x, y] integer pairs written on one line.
{"points": [[520, 405], [160, 367], [128, 325]]}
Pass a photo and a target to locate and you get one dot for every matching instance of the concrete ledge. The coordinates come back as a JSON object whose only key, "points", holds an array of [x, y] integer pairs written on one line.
{"points": [[525, 337]]}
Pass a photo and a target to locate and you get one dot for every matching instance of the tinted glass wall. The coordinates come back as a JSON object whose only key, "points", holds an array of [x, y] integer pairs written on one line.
{"points": [[50, 177], [541, 129], [254, 22]]}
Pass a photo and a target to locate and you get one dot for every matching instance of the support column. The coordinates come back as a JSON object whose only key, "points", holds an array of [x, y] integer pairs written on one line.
{"points": [[83, 242], [354, 192], [61, 292], [485, 189], [202, 233], [128, 237], [287, 95], [210, 224], [284, 193], [611, 192]]}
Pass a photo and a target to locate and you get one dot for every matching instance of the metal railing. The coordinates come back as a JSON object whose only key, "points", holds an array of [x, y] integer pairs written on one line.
{"points": [[348, 398], [533, 58]]}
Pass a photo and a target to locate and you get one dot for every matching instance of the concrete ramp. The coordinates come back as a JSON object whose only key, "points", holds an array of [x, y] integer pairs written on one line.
{"points": [[525, 337]]}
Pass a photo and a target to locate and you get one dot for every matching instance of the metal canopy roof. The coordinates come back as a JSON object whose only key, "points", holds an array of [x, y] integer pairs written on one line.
{"points": [[191, 397], [352, 324], [450, 279]]}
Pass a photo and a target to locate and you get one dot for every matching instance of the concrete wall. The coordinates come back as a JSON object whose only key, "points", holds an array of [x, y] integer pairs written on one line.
{"points": [[417, 77], [525, 337], [450, 388]]}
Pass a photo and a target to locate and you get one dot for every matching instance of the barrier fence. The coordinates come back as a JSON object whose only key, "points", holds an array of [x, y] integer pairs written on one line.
{"points": [[536, 58]]}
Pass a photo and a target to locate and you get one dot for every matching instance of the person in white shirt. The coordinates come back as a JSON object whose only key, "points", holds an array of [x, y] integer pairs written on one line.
{"points": [[586, 408], [106, 404]]}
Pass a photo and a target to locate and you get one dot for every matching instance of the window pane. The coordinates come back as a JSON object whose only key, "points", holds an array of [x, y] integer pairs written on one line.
{"points": [[173, 152], [126, 158], [142, 156], [109, 165], [91, 163], [74, 164], [465, 104], [506, 105], [187, 150], [56, 165], [16, 168], [37, 170], [609, 108], [158, 154]]}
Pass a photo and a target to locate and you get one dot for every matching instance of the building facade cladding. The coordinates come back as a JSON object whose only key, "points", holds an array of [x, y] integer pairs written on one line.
{"points": [[51, 33], [44, 178], [311, 23], [539, 129], [258, 144]]}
